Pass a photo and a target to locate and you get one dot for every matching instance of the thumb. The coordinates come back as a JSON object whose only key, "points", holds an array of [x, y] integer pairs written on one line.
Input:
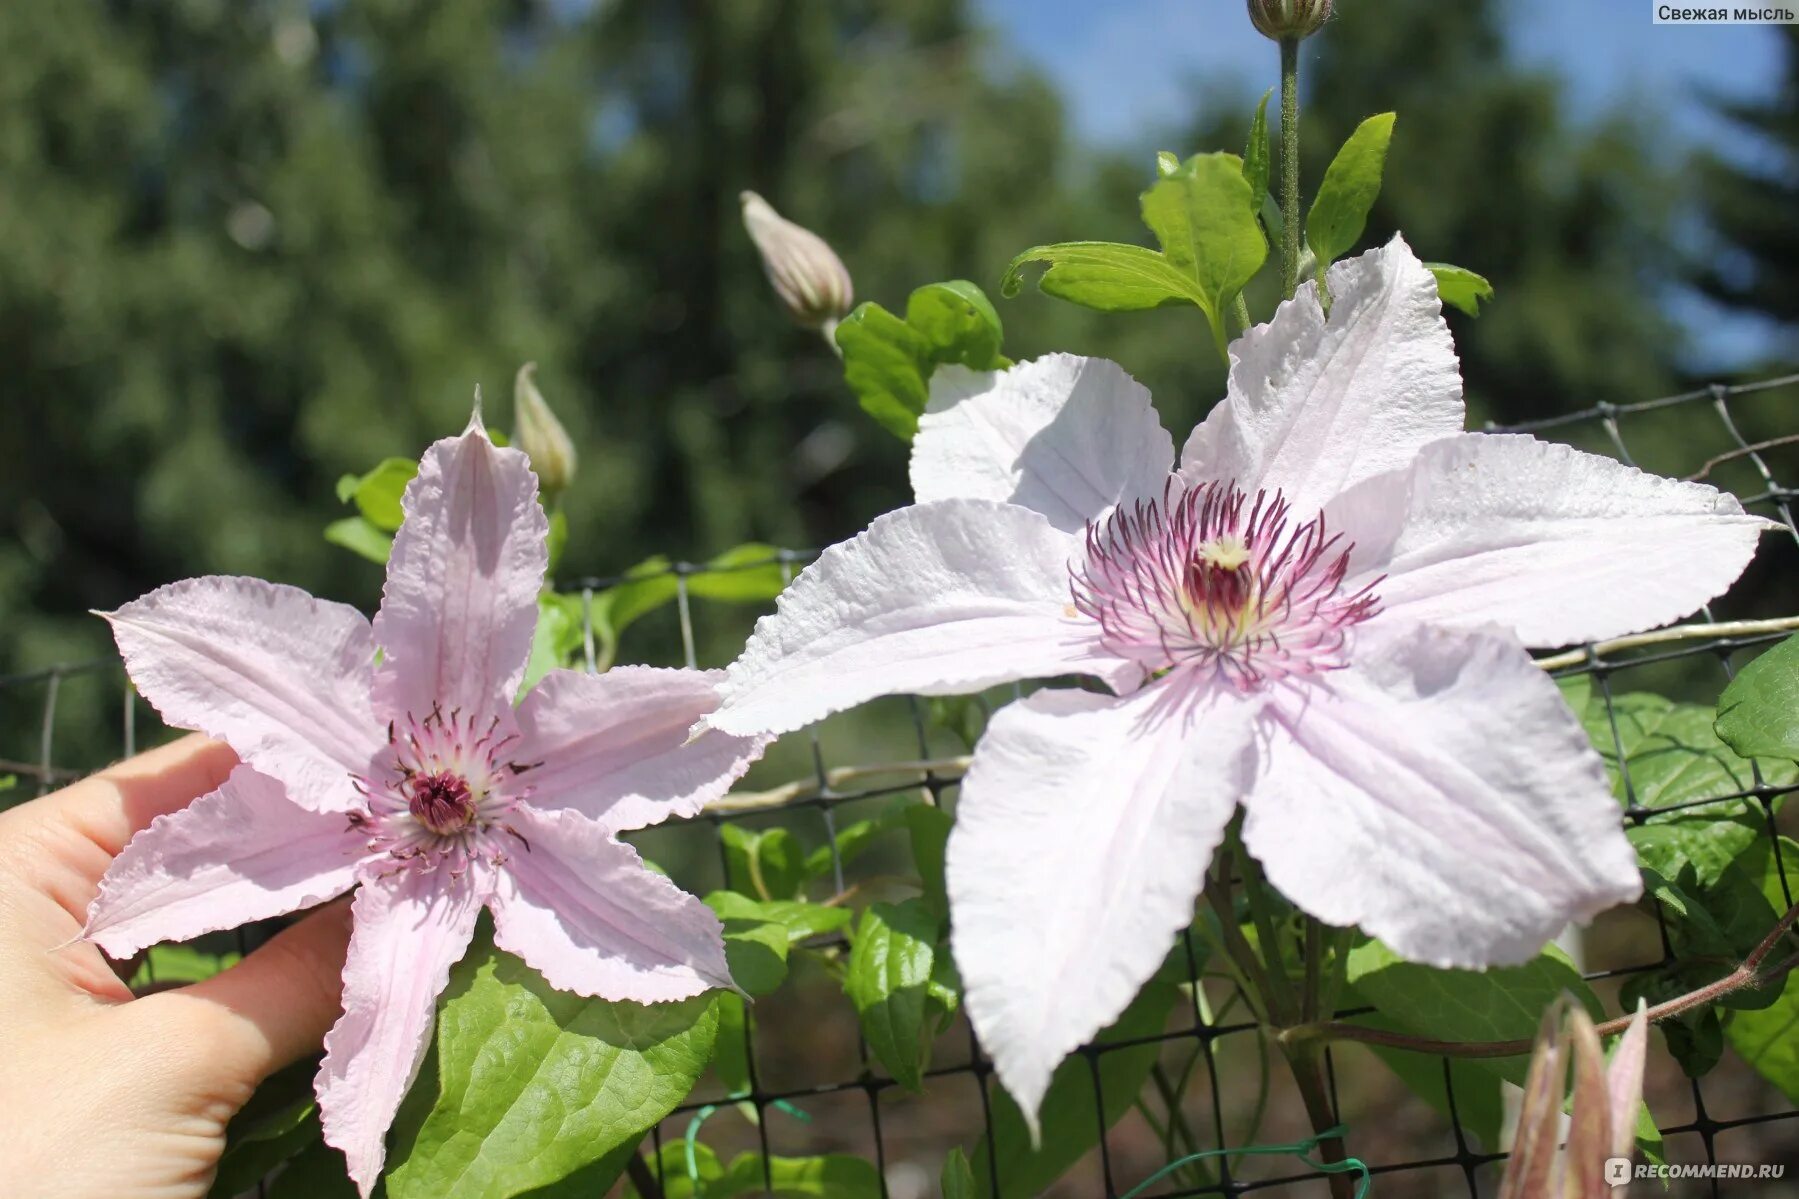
{"points": [[268, 1011]]}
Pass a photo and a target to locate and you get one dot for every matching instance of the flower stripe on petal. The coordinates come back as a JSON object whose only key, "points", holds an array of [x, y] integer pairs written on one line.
{"points": [[244, 852], [409, 930], [460, 604], [281, 677]]}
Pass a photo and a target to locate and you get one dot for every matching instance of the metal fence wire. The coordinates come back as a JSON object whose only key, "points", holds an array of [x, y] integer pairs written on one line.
{"points": [[813, 1087]]}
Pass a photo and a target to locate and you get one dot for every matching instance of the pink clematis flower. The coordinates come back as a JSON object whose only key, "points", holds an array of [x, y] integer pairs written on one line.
{"points": [[1320, 613], [418, 782]]}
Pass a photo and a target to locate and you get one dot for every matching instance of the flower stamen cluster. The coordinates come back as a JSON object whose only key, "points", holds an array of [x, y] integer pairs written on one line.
{"points": [[1206, 577], [442, 785]]}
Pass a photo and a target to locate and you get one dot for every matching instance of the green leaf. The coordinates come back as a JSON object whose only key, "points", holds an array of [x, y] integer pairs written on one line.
{"points": [[1070, 1123], [377, 494], [884, 363], [756, 952], [763, 865], [892, 967], [528, 1084], [1460, 287], [1258, 156], [957, 1179], [750, 573], [678, 1182], [1462, 1005], [800, 920], [1211, 246], [1758, 714], [555, 541], [316, 1172], [888, 361], [359, 536], [1204, 219], [1167, 163], [958, 324], [1348, 191], [830, 1176], [556, 639], [178, 965], [758, 935], [928, 826], [1768, 1039], [279, 1122], [1674, 757], [744, 574], [731, 1059], [1103, 275]]}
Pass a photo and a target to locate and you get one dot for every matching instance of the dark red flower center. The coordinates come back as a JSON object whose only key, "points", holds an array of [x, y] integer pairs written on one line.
{"points": [[442, 802]]}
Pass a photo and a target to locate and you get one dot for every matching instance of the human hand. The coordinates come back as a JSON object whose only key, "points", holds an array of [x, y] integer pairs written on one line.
{"points": [[107, 1096]]}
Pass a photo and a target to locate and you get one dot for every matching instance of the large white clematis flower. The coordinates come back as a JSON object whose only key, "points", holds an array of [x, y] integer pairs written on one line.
{"points": [[1321, 615]]}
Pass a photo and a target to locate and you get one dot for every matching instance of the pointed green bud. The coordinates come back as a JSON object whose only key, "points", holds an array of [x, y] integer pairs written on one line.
{"points": [[536, 431], [805, 272], [1281, 19]]}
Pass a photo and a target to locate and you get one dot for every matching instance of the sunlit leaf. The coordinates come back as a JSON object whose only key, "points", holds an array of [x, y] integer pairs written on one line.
{"points": [[1347, 193], [527, 1084]]}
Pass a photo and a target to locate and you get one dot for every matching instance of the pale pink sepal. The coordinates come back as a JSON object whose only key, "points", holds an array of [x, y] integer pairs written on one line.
{"points": [[1066, 436], [243, 852], [281, 677], [616, 746], [1081, 840], [460, 604], [1316, 405], [581, 909], [409, 930], [1389, 802], [936, 599], [1557, 545]]}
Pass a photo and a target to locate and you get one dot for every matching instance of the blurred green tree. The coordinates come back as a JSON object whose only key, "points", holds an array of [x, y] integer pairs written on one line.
{"points": [[248, 247], [1751, 207]]}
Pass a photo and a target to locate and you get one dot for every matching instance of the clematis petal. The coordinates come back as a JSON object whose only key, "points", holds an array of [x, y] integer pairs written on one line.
{"points": [[615, 746], [281, 677], [582, 910], [460, 604], [1082, 836], [1556, 545], [244, 852], [936, 599], [1439, 794], [1065, 436], [410, 929], [1316, 405]]}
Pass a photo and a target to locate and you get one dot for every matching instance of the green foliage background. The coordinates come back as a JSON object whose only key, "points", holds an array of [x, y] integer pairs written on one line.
{"points": [[248, 247]]}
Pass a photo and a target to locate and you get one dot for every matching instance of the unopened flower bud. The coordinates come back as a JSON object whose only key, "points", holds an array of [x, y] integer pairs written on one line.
{"points": [[1281, 19], [806, 273], [537, 432]]}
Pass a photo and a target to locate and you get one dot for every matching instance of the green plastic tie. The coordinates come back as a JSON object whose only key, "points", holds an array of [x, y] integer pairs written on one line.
{"points": [[1299, 1149], [705, 1113]]}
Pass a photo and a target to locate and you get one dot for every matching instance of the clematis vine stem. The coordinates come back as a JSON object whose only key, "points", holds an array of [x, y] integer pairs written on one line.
{"points": [[1750, 973], [1289, 165]]}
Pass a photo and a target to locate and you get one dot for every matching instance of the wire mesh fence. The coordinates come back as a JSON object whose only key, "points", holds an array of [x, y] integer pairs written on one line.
{"points": [[812, 1084]]}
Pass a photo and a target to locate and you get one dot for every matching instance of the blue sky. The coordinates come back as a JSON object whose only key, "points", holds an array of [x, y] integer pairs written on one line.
{"points": [[1129, 68], [1125, 65]]}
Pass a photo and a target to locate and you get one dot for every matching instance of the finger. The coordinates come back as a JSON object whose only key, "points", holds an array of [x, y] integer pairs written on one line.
{"points": [[266, 1012], [109, 807], [53, 851]]}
